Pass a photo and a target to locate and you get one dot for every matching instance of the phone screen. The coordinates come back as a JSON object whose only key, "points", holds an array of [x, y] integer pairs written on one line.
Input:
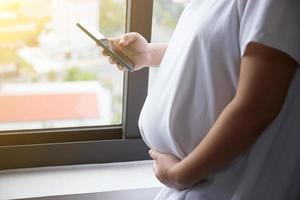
{"points": [[104, 43]]}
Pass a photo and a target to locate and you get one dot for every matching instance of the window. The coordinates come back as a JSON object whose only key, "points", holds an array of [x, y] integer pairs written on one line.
{"points": [[165, 16], [41, 59], [52, 75]]}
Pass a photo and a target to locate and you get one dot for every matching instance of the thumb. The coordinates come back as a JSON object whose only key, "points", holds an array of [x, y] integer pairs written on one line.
{"points": [[127, 39], [114, 40], [154, 154], [114, 43]]}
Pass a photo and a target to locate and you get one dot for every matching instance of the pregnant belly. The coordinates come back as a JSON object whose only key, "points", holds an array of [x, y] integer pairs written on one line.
{"points": [[158, 137]]}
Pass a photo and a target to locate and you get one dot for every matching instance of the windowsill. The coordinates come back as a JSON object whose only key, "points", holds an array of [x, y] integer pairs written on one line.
{"points": [[79, 179]]}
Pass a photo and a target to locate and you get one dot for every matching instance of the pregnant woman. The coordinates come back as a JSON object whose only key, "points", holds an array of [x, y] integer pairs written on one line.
{"points": [[223, 118]]}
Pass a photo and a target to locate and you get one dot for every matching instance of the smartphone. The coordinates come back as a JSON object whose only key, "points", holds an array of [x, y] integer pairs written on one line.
{"points": [[102, 41]]}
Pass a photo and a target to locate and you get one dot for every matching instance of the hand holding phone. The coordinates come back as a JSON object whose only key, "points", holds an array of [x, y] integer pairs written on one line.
{"points": [[102, 41], [130, 50]]}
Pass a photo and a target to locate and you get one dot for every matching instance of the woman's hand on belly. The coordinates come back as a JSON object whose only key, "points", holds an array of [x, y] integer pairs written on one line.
{"points": [[164, 167]]}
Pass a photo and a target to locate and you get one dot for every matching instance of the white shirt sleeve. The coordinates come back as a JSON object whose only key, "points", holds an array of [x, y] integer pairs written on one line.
{"points": [[275, 23]]}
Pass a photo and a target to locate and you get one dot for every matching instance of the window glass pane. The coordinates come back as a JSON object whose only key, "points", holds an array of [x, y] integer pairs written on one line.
{"points": [[51, 74], [165, 16]]}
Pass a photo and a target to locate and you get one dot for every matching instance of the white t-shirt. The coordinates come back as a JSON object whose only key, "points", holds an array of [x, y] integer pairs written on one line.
{"points": [[198, 77]]}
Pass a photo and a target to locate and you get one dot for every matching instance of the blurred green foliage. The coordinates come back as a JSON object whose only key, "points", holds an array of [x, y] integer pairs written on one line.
{"points": [[167, 13], [112, 17], [75, 74]]}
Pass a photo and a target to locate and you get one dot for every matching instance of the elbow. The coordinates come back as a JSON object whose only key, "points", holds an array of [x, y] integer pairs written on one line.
{"points": [[265, 114], [258, 112]]}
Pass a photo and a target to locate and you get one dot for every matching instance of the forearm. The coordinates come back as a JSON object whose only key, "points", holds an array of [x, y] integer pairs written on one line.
{"points": [[234, 132], [157, 52]]}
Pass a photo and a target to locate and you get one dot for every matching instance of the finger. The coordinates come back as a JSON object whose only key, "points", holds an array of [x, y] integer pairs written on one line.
{"points": [[120, 67], [155, 168], [158, 174], [114, 39], [114, 43], [112, 61], [105, 53], [154, 154], [128, 38]]}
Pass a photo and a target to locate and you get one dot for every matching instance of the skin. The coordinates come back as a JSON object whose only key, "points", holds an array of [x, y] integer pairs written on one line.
{"points": [[265, 76], [136, 48]]}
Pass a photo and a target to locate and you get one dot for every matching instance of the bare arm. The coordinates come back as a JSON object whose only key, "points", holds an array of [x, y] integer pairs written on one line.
{"points": [[265, 76], [158, 51]]}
